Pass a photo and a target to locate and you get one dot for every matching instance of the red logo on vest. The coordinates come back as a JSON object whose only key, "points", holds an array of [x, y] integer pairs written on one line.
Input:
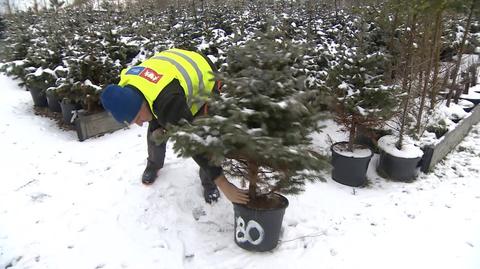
{"points": [[150, 75]]}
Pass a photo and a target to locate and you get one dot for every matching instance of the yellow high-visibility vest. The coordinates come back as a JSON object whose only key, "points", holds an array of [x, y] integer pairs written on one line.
{"points": [[191, 69]]}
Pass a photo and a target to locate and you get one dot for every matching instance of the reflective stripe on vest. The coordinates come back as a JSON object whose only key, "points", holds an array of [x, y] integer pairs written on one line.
{"points": [[182, 71], [191, 69], [194, 65]]}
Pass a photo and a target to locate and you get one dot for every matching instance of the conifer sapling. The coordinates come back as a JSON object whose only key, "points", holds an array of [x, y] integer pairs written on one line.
{"points": [[259, 124]]}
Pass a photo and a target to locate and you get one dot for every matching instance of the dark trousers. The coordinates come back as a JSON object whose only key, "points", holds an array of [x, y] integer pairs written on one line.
{"points": [[156, 158]]}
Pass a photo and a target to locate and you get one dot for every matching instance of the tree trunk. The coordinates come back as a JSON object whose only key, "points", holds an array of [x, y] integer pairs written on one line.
{"points": [[351, 136], [406, 82], [35, 7], [8, 7], [389, 69], [436, 60], [194, 11], [454, 87], [427, 71], [252, 179]]}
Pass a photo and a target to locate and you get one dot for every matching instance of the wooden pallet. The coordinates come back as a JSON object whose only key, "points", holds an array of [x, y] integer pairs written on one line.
{"points": [[95, 124], [433, 154]]}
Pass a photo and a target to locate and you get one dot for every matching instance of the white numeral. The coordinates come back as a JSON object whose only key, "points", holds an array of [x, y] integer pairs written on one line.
{"points": [[242, 234]]}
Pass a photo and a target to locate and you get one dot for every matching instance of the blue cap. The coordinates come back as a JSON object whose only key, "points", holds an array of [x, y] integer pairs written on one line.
{"points": [[123, 103]]}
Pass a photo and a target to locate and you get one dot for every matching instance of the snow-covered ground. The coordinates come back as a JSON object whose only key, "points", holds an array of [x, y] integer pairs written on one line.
{"points": [[69, 204]]}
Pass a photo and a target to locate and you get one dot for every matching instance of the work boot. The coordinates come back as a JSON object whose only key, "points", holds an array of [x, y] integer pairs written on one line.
{"points": [[211, 195], [210, 190], [149, 175]]}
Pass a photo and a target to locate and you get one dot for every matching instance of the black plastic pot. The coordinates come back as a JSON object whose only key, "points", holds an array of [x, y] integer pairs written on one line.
{"points": [[258, 229], [474, 101], [455, 120], [466, 105], [468, 109], [39, 97], [369, 137], [53, 102], [398, 168], [347, 170], [68, 107]]}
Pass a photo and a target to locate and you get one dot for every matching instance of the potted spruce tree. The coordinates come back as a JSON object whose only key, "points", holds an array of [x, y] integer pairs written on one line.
{"points": [[258, 130], [37, 83], [53, 100], [69, 99], [362, 101], [399, 156]]}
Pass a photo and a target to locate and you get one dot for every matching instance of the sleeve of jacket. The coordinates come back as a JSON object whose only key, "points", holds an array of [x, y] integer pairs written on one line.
{"points": [[171, 105]]}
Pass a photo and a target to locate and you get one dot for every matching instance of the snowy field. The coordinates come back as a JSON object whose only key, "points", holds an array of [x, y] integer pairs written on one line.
{"points": [[69, 204]]}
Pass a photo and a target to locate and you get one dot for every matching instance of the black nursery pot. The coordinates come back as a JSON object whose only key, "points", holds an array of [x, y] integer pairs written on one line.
{"points": [[53, 102], [258, 229], [474, 101], [39, 97], [67, 110], [398, 168], [350, 171], [468, 109]]}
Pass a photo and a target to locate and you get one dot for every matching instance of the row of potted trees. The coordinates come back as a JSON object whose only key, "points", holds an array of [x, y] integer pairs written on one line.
{"points": [[350, 160], [263, 119], [50, 97], [400, 93]]}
